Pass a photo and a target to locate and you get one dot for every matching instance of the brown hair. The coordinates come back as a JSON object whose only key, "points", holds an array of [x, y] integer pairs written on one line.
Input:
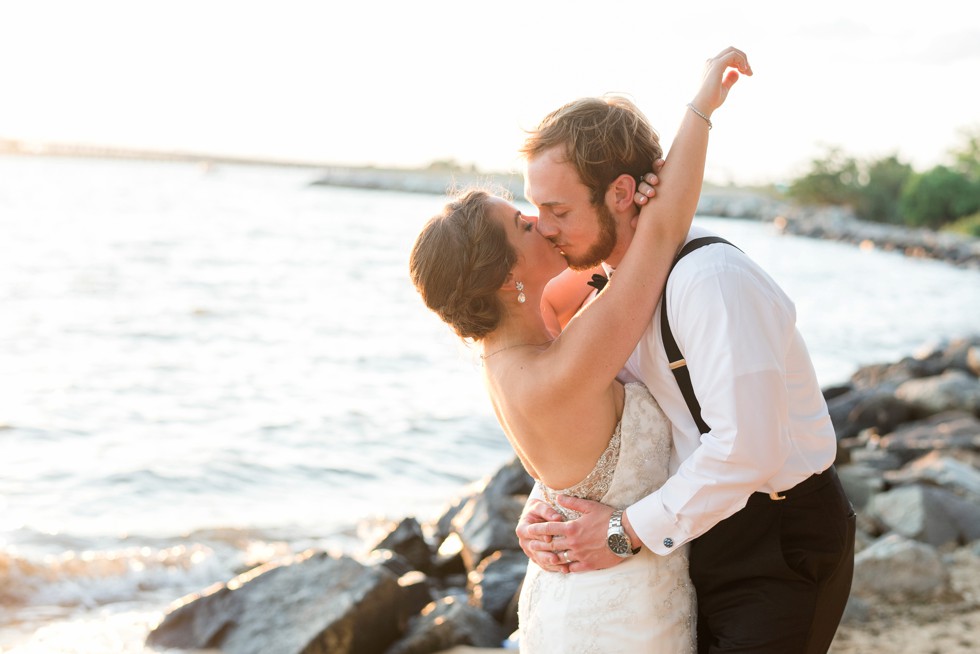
{"points": [[459, 262], [603, 138]]}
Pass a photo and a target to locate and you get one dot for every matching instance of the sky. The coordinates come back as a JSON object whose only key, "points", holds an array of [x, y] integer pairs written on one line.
{"points": [[394, 83]]}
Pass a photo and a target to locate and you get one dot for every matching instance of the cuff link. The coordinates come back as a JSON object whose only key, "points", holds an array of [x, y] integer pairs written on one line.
{"points": [[668, 542]]}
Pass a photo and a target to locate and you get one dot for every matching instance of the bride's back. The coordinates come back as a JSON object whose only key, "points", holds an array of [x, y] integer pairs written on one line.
{"points": [[558, 431]]}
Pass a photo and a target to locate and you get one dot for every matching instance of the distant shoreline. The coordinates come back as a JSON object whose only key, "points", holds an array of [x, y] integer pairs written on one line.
{"points": [[441, 178], [26, 149]]}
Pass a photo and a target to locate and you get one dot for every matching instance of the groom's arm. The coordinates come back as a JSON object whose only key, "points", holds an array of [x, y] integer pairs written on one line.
{"points": [[734, 328]]}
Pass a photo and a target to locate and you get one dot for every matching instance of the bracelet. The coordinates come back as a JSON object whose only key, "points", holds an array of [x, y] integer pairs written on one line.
{"points": [[690, 105]]}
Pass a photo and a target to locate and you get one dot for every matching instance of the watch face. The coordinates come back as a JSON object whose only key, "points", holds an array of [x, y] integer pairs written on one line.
{"points": [[619, 544]]}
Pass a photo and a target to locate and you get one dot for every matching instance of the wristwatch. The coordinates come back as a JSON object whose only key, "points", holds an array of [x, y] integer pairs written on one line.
{"points": [[617, 539]]}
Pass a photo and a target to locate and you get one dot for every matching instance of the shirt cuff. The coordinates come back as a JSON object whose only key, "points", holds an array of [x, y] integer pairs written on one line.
{"points": [[656, 530]]}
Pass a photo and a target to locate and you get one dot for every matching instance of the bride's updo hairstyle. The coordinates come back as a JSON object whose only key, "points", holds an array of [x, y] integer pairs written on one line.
{"points": [[459, 262]]}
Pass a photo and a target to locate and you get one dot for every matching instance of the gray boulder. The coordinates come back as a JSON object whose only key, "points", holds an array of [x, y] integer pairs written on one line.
{"points": [[972, 359], [486, 523], [951, 430], [860, 483], [953, 390], [881, 411], [447, 623], [873, 458], [898, 568], [407, 540], [496, 581], [961, 354], [888, 376], [941, 470], [840, 408], [311, 604], [927, 514], [876, 409]]}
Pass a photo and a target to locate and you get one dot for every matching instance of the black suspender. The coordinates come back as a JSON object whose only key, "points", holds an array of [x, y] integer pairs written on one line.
{"points": [[678, 365]]}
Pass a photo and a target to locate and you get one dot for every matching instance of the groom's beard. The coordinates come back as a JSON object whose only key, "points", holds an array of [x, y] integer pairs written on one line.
{"points": [[603, 245]]}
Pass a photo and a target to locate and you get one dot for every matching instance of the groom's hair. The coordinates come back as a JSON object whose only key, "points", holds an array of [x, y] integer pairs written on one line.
{"points": [[603, 138]]}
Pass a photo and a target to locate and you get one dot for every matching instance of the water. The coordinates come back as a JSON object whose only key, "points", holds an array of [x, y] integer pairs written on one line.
{"points": [[205, 369]]}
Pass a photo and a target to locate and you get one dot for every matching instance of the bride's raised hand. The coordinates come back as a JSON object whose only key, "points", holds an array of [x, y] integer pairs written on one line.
{"points": [[720, 74]]}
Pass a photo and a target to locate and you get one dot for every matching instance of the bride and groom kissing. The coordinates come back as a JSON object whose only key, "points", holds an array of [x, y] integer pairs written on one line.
{"points": [[686, 498]]}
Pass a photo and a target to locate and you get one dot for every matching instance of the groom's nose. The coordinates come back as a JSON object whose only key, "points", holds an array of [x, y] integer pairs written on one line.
{"points": [[545, 227]]}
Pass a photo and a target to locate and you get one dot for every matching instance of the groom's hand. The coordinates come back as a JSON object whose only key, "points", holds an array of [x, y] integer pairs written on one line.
{"points": [[584, 539]]}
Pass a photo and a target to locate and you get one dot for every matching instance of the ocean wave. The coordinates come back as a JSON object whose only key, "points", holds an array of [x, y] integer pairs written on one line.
{"points": [[63, 570], [90, 578]]}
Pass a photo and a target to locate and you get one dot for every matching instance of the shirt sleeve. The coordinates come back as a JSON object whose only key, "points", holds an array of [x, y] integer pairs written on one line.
{"points": [[734, 328]]}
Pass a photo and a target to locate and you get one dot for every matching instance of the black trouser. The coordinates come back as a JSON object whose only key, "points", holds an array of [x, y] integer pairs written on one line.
{"points": [[775, 576]]}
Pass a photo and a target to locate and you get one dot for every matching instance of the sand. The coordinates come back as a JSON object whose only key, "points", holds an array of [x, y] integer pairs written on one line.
{"points": [[950, 625]]}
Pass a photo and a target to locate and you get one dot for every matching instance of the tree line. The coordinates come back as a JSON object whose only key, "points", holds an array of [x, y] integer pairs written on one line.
{"points": [[889, 190]]}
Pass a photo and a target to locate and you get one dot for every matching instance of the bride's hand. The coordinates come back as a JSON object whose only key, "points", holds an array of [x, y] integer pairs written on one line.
{"points": [[646, 188], [720, 74], [540, 548]]}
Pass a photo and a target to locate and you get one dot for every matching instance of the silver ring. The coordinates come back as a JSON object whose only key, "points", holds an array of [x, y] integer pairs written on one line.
{"points": [[564, 555]]}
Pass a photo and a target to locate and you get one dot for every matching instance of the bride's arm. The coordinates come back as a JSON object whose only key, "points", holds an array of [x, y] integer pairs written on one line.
{"points": [[628, 303]]}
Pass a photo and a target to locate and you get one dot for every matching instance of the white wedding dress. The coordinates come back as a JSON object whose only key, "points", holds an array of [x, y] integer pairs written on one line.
{"points": [[644, 604]]}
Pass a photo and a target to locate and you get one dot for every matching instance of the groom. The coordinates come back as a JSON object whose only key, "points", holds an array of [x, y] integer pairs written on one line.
{"points": [[753, 489]]}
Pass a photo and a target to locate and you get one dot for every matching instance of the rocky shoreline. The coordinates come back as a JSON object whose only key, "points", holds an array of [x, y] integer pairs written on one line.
{"points": [[833, 223], [908, 456], [840, 224]]}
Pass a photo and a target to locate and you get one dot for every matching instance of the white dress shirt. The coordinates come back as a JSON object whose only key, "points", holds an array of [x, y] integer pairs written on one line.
{"points": [[758, 392]]}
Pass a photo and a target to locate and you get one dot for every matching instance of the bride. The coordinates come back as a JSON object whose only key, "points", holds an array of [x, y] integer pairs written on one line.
{"points": [[484, 269]]}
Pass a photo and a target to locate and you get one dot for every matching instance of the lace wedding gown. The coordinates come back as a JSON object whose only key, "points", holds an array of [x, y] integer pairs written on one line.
{"points": [[644, 604]]}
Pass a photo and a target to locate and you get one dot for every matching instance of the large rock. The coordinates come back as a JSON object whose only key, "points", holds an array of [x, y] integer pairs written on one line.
{"points": [[876, 409], [954, 390], [927, 514], [881, 411], [840, 408], [888, 376], [511, 479], [312, 604], [407, 540], [486, 523], [962, 354], [951, 430], [448, 562], [874, 458], [936, 468], [860, 483], [496, 581], [445, 624], [898, 568]]}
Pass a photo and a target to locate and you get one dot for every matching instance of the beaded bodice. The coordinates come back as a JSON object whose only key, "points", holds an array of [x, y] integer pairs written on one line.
{"points": [[646, 603], [596, 483], [640, 444]]}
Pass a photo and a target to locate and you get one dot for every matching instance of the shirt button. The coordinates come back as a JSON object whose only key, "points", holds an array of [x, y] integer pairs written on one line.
{"points": [[668, 542]]}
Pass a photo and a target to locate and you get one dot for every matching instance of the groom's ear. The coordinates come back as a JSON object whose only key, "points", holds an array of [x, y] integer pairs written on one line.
{"points": [[619, 195]]}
